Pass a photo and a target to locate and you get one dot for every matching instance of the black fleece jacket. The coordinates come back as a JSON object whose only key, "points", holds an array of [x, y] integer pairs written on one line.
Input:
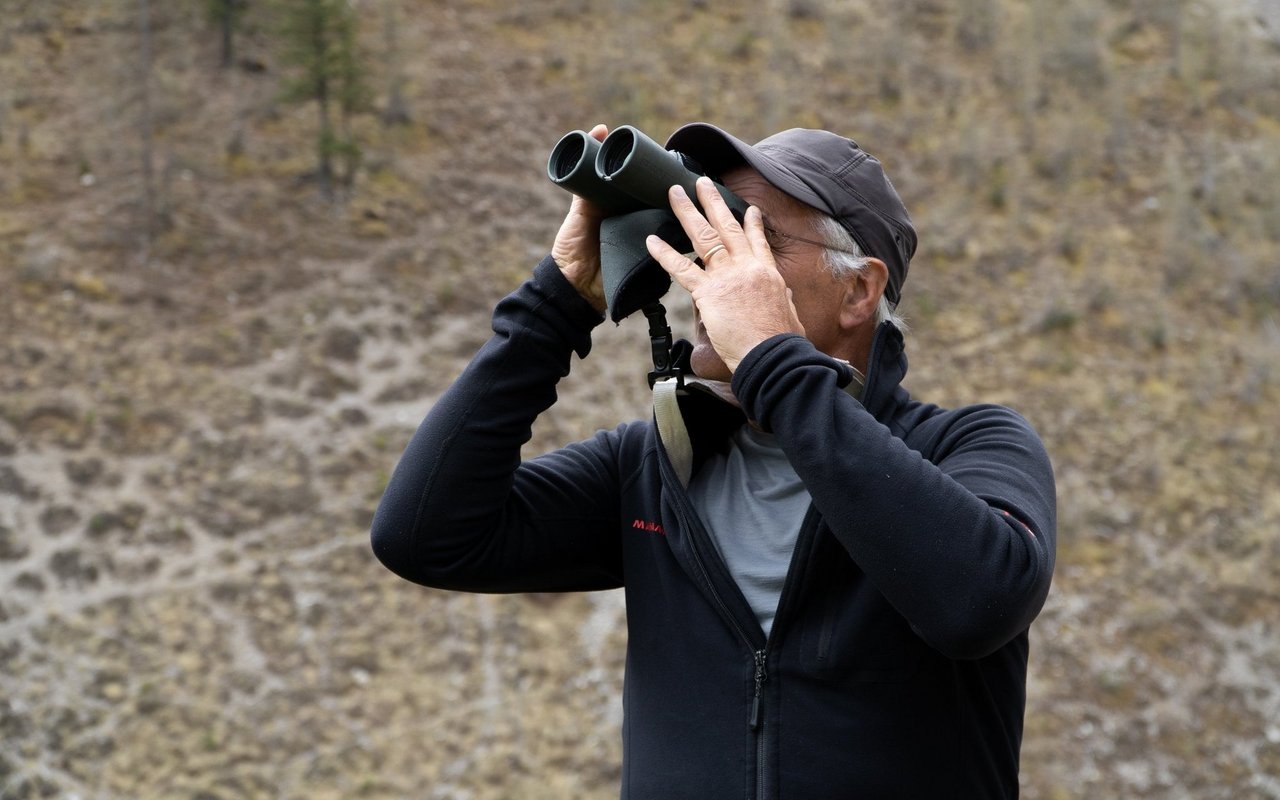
{"points": [[897, 662]]}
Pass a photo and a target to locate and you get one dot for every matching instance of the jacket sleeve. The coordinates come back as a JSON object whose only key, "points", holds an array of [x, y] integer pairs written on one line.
{"points": [[961, 545], [461, 510]]}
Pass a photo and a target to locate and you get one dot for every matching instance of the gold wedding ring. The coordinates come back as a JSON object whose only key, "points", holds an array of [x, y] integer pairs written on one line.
{"points": [[706, 258]]}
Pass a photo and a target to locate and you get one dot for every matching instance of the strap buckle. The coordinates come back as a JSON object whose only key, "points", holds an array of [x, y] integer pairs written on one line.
{"points": [[660, 344]]}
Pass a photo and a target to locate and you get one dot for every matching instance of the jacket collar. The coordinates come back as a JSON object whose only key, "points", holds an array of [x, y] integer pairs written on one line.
{"points": [[882, 392]]}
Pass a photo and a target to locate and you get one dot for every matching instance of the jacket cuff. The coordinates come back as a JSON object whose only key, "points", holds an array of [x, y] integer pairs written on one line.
{"points": [[775, 357], [557, 288], [571, 314]]}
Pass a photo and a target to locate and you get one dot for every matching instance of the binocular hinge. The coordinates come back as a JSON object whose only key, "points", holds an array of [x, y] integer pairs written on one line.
{"points": [[660, 343]]}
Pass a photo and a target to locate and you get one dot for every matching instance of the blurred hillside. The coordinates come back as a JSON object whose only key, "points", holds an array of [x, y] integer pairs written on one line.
{"points": [[208, 369]]}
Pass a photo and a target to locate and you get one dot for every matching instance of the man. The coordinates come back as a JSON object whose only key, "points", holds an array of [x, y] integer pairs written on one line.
{"points": [[829, 588]]}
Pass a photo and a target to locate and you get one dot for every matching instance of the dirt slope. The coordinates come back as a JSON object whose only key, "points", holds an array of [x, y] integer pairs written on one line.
{"points": [[194, 432]]}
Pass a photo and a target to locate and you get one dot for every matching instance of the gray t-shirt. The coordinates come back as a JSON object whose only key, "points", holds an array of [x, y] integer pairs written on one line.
{"points": [[753, 504]]}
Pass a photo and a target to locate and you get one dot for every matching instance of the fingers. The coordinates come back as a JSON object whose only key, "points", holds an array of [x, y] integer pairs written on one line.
{"points": [[696, 227], [585, 209], [682, 270], [599, 132], [713, 206], [753, 223], [713, 225]]}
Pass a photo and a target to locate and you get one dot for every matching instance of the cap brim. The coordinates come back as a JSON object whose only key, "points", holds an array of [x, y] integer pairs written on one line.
{"points": [[718, 151]]}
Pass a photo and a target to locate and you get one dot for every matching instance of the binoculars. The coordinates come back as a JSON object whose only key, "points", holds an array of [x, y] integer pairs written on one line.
{"points": [[628, 176]]}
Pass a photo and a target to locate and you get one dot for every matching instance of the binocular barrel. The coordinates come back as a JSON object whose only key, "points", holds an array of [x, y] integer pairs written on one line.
{"points": [[627, 172], [645, 170]]}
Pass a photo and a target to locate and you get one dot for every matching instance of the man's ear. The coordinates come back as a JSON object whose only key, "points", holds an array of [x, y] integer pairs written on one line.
{"points": [[862, 294]]}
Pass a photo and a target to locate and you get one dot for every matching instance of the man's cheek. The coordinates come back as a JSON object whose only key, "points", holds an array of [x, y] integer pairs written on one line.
{"points": [[707, 363]]}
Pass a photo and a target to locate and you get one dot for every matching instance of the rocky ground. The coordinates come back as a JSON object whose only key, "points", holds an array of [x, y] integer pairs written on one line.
{"points": [[194, 434], [191, 606]]}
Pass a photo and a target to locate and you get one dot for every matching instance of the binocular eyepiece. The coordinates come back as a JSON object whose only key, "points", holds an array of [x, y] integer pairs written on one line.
{"points": [[628, 176]]}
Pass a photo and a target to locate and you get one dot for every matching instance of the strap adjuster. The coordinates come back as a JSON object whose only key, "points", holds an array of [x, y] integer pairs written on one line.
{"points": [[660, 344]]}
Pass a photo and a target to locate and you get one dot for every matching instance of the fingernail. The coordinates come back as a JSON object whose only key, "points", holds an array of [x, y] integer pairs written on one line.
{"points": [[679, 190]]}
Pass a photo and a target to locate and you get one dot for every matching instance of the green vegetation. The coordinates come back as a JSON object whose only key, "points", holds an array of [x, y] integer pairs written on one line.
{"points": [[227, 14], [318, 41]]}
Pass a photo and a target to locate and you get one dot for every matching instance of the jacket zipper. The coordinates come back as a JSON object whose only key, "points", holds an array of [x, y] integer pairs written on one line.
{"points": [[760, 655], [756, 722], [706, 576], [761, 674]]}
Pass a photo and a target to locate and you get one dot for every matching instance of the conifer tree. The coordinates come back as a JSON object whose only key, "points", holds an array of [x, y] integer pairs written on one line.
{"points": [[146, 125], [227, 14], [319, 45], [397, 109]]}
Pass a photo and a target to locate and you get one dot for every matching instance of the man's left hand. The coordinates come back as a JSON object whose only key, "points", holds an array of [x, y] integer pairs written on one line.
{"points": [[739, 293]]}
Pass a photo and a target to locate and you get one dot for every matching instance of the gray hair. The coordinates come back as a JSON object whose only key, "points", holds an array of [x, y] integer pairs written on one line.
{"points": [[844, 259]]}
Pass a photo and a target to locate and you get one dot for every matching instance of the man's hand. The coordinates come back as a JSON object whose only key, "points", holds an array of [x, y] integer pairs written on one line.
{"points": [[739, 294], [577, 247]]}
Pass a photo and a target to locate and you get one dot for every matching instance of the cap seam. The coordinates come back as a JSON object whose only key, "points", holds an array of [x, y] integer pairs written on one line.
{"points": [[875, 207], [861, 155], [791, 176]]}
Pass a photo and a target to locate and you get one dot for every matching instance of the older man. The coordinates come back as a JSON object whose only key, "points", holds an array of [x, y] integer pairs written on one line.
{"points": [[828, 584]]}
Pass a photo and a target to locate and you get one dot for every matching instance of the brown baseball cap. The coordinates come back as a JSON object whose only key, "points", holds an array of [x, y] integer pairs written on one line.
{"points": [[823, 170]]}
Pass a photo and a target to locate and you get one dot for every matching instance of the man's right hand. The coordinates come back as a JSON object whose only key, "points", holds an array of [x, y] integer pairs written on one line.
{"points": [[577, 247]]}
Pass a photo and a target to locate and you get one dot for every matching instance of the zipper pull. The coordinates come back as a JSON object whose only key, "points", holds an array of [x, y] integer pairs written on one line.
{"points": [[761, 676]]}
